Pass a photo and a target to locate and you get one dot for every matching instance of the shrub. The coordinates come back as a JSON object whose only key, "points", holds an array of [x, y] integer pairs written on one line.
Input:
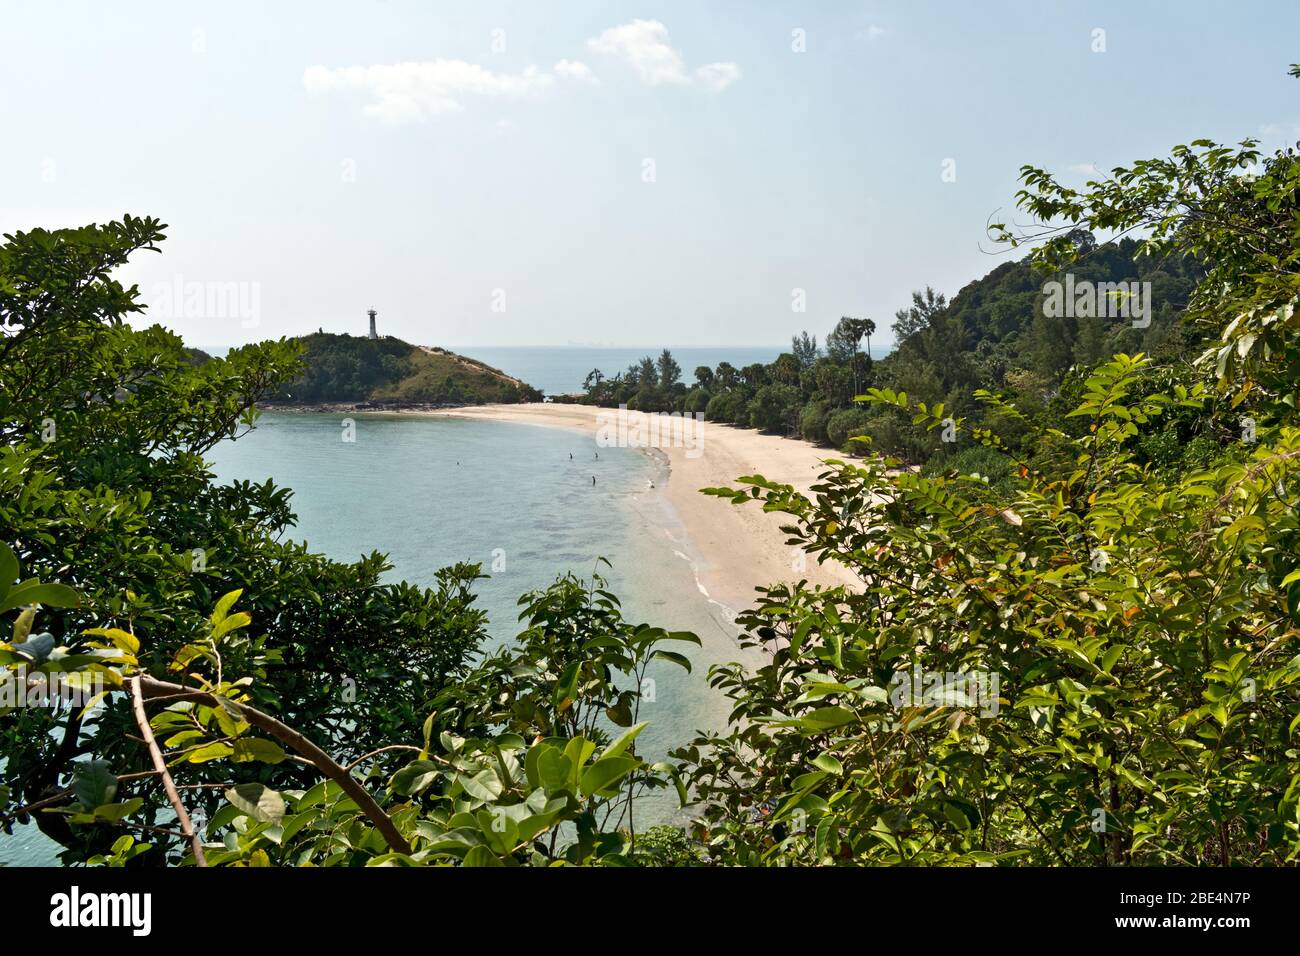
{"points": [[973, 459], [812, 421], [697, 401], [728, 406], [845, 424], [773, 407]]}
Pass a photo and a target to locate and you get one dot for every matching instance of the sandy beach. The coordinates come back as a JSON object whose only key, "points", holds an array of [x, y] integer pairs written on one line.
{"points": [[734, 548]]}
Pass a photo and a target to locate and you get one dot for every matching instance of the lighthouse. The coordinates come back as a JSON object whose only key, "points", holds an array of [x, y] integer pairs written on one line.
{"points": [[373, 334]]}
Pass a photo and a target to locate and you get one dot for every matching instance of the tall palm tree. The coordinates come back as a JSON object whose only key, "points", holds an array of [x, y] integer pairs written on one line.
{"points": [[853, 330]]}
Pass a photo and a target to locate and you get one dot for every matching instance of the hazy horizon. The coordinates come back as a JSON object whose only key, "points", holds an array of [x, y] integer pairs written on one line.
{"points": [[594, 175]]}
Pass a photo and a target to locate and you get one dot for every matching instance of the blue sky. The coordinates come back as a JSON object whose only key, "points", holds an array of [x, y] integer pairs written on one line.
{"points": [[482, 177]]}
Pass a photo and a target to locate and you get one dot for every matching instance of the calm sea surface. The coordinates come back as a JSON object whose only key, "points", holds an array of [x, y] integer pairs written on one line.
{"points": [[562, 370], [431, 492]]}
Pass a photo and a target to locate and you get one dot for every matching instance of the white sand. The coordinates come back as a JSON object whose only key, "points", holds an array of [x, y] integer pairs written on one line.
{"points": [[734, 548]]}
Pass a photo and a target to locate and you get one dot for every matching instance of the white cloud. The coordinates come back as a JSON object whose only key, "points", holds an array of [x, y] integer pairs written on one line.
{"points": [[644, 46], [575, 70], [874, 32], [1085, 169], [718, 76], [412, 92]]}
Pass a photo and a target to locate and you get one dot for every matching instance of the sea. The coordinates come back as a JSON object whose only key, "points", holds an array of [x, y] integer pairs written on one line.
{"points": [[561, 370], [519, 500]]}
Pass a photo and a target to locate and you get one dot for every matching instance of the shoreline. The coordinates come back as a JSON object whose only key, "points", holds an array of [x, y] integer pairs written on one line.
{"points": [[732, 548]]}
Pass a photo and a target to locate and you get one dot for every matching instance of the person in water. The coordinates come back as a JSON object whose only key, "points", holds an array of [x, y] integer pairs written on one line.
{"points": [[593, 481]]}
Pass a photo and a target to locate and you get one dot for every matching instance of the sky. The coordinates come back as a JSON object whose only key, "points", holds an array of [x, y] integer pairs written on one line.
{"points": [[557, 172]]}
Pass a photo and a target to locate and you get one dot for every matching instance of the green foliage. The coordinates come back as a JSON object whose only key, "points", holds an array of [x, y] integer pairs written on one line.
{"points": [[103, 487], [1204, 199], [812, 421], [990, 464], [345, 368], [532, 772], [992, 336], [1075, 640], [774, 408], [669, 846], [1144, 641], [650, 385], [728, 407], [846, 424], [1092, 660]]}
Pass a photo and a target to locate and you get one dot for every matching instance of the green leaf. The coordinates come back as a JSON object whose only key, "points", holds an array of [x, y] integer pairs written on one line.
{"points": [[8, 569], [93, 784], [485, 785], [681, 660], [481, 856], [625, 740], [224, 604], [116, 812], [828, 763], [123, 640], [414, 778], [23, 626], [33, 592], [256, 748], [554, 769], [826, 718], [605, 772], [261, 803], [213, 751]]}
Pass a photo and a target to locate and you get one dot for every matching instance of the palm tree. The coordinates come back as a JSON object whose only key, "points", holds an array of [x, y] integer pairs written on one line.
{"points": [[853, 330]]}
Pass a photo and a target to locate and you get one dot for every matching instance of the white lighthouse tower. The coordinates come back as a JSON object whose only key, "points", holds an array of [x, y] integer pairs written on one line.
{"points": [[373, 334]]}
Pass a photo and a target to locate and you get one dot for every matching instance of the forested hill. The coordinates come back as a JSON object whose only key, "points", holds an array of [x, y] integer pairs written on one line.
{"points": [[999, 333], [347, 368], [996, 332]]}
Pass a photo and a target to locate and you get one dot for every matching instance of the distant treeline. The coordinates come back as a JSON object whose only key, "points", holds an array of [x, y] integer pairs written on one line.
{"points": [[346, 368], [994, 334]]}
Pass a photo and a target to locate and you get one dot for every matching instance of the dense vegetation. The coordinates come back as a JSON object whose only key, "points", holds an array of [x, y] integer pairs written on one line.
{"points": [[1091, 660], [346, 368], [993, 335]]}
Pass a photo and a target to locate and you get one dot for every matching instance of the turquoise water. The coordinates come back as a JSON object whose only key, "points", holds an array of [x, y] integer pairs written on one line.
{"points": [[433, 491]]}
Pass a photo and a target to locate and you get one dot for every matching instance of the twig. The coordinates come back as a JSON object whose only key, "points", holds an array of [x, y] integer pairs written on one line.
{"points": [[286, 734], [174, 798], [381, 750]]}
